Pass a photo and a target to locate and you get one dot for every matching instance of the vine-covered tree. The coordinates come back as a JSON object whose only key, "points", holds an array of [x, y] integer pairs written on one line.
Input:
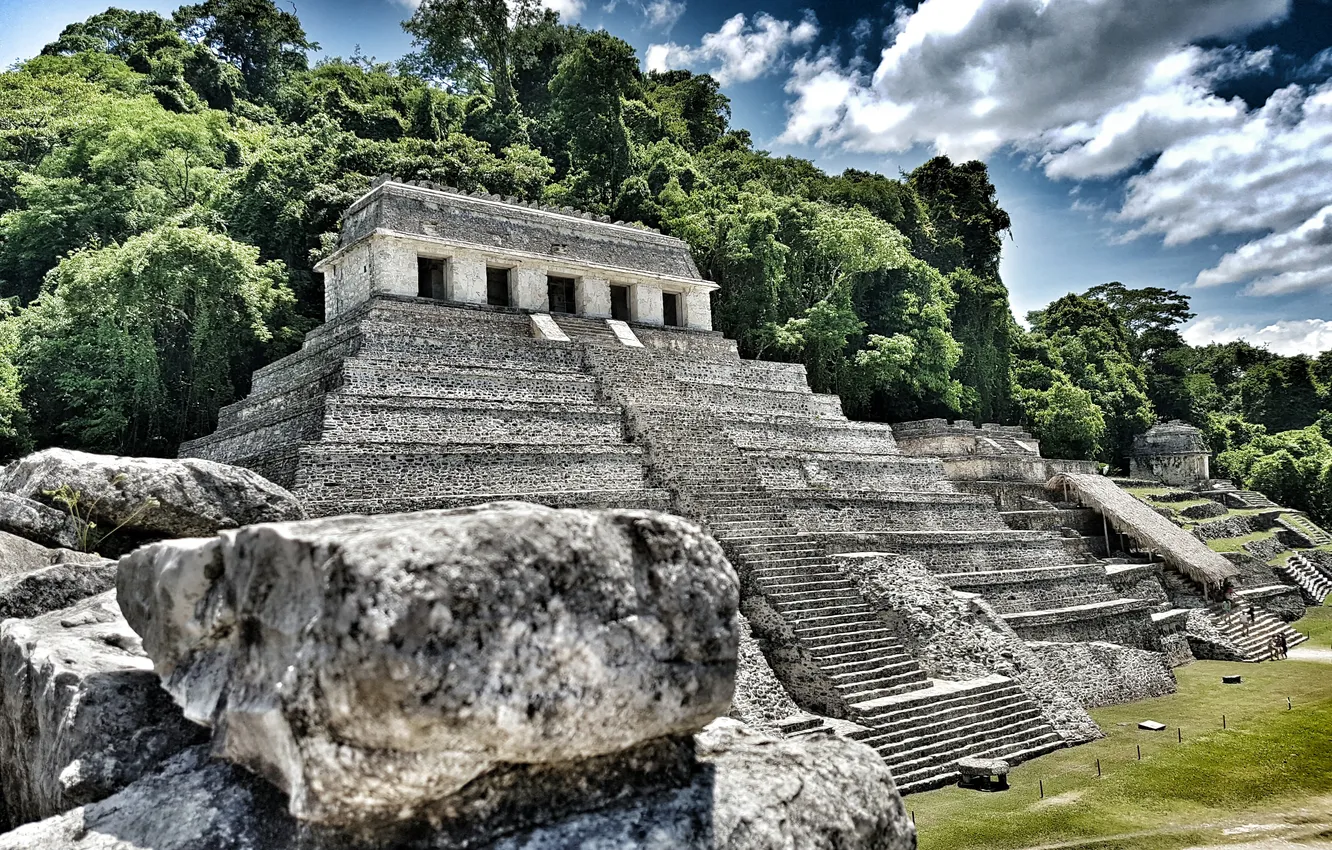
{"points": [[133, 348]]}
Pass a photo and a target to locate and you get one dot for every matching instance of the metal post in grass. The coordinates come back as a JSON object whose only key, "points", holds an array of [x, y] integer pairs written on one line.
{"points": [[1098, 767], [1223, 721], [1140, 752], [1179, 735], [1288, 706], [1042, 781], [913, 817]]}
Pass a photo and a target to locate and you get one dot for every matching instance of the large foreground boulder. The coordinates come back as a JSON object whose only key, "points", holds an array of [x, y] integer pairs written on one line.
{"points": [[748, 792], [81, 712], [371, 667], [153, 497]]}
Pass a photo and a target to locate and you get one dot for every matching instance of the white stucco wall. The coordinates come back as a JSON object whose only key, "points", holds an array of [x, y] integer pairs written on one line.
{"points": [[528, 286], [592, 297], [645, 303]]}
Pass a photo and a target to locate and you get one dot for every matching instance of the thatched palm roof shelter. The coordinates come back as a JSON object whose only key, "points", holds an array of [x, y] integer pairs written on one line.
{"points": [[1148, 529]]}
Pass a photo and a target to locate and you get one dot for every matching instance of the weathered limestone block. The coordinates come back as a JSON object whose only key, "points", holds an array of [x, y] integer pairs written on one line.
{"points": [[816, 793], [752, 793], [37, 522], [1098, 673], [193, 497], [372, 665], [1208, 642], [760, 700], [959, 636], [75, 576], [81, 712], [34, 579]]}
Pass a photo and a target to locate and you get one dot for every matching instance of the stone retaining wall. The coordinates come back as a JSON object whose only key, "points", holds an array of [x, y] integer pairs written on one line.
{"points": [[1098, 673]]}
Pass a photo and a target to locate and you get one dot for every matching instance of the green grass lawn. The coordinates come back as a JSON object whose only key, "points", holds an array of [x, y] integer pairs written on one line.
{"points": [[1236, 544], [1317, 624], [1270, 760]]}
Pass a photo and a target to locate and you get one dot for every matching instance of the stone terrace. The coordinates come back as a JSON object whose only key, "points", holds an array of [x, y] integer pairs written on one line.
{"points": [[402, 405]]}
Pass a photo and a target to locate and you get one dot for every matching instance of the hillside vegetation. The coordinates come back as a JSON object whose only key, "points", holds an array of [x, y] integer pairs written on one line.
{"points": [[167, 184]]}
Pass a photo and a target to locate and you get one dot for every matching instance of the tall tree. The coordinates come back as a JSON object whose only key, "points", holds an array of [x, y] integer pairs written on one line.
{"points": [[589, 92], [262, 41], [469, 44]]}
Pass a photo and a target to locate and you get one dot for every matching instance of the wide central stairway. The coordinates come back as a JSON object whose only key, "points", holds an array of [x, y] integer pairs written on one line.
{"points": [[696, 416]]}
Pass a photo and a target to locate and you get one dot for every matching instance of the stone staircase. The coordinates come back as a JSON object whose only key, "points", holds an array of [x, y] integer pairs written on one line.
{"points": [[1252, 638], [585, 330], [1311, 581], [870, 671], [921, 734], [1306, 528], [1248, 499], [718, 486]]}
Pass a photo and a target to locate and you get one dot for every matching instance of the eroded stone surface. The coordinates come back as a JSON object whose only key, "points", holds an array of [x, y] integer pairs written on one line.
{"points": [[750, 792], [38, 522], [372, 665], [81, 711], [760, 700], [60, 585], [152, 496], [1099, 673]]}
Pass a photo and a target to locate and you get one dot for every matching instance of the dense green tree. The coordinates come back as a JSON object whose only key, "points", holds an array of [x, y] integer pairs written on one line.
{"points": [[692, 110], [588, 93], [983, 325], [1281, 394], [260, 40], [1065, 419], [469, 44], [135, 347], [1084, 341], [122, 165], [967, 221]]}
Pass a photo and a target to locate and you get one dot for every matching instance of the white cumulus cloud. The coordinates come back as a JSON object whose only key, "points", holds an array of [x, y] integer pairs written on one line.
{"points": [[662, 14], [1092, 90], [738, 52], [1306, 336]]}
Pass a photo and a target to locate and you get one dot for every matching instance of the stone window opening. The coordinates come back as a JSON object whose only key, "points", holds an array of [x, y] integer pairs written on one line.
{"points": [[619, 302], [670, 309], [430, 278], [560, 291], [497, 287]]}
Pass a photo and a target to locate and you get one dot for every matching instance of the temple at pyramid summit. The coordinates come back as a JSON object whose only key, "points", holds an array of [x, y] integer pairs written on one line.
{"points": [[937, 590]]}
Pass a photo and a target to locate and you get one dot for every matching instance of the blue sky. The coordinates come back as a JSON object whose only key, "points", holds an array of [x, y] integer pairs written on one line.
{"points": [[1185, 144]]}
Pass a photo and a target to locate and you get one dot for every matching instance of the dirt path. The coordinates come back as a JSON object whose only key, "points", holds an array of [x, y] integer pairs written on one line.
{"points": [[1311, 653]]}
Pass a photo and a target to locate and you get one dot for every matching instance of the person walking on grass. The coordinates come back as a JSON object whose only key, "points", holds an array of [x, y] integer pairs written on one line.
{"points": [[1282, 646], [1271, 648]]}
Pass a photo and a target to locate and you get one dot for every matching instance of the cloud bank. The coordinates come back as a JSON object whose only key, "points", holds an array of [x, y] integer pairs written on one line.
{"points": [[1306, 336], [1099, 90], [738, 52]]}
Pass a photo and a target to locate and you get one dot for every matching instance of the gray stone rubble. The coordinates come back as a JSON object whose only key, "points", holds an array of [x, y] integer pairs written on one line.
{"points": [[81, 712], [151, 496]]}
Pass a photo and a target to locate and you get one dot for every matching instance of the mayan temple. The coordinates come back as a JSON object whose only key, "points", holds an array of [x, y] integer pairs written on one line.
{"points": [[477, 349]]}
